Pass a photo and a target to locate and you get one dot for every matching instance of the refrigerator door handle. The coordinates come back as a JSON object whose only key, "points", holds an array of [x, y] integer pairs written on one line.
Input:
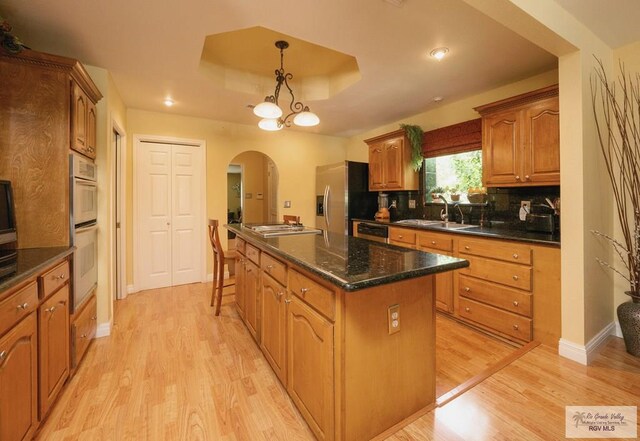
{"points": [[327, 193]]}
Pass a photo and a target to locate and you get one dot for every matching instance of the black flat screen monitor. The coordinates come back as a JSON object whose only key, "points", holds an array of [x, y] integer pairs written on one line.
{"points": [[8, 232]]}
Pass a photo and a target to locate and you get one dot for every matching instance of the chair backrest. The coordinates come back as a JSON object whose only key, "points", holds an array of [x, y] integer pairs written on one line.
{"points": [[290, 219], [214, 237]]}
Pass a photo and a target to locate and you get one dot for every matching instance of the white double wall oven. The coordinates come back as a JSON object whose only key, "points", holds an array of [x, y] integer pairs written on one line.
{"points": [[84, 228]]}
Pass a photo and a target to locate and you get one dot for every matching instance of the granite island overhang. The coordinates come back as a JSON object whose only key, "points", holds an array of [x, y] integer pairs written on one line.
{"points": [[347, 325]]}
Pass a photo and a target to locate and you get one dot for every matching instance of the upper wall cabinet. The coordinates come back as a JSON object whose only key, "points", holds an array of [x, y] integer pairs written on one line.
{"points": [[390, 163], [38, 124], [521, 140]]}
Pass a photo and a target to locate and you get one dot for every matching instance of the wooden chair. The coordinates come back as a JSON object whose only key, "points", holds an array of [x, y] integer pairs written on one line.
{"points": [[220, 259], [290, 219]]}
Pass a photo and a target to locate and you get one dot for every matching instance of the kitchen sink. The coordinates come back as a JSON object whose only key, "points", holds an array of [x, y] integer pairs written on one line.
{"points": [[271, 230], [452, 226], [433, 223]]}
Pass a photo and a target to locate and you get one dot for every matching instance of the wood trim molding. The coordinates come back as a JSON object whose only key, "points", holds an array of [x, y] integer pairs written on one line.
{"points": [[384, 136], [457, 138], [585, 354], [69, 65], [519, 100]]}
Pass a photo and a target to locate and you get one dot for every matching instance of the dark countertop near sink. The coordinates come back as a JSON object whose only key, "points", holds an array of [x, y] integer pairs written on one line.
{"points": [[495, 232], [349, 262], [31, 261]]}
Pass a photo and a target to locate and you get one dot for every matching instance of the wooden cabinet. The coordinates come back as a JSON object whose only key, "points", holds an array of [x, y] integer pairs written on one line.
{"points": [[310, 367], [273, 325], [402, 237], [444, 282], [239, 274], [390, 163], [83, 329], [521, 140], [251, 297], [83, 122], [53, 325]]}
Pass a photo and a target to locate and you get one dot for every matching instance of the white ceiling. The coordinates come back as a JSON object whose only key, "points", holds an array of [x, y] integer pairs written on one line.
{"points": [[153, 48]]}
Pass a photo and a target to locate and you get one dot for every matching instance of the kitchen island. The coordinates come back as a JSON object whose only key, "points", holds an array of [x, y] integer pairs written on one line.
{"points": [[348, 326]]}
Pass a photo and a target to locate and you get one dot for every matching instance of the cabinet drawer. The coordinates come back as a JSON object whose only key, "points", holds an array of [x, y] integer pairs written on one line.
{"points": [[253, 253], [507, 251], [517, 276], [54, 279], [274, 268], [316, 295], [496, 295], [402, 235], [435, 241], [240, 245], [17, 306], [84, 329], [505, 322]]}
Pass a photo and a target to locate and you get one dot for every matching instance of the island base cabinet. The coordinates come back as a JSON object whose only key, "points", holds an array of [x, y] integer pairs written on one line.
{"points": [[274, 321], [83, 330], [251, 289], [19, 381], [240, 269], [54, 347], [310, 380]]}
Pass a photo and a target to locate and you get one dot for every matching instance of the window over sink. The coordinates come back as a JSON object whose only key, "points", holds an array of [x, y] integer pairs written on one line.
{"points": [[452, 175]]}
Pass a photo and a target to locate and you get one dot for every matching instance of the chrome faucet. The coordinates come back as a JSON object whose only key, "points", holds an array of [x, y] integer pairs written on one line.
{"points": [[444, 213], [460, 211]]}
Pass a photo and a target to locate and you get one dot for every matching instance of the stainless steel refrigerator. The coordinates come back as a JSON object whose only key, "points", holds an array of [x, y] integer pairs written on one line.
{"points": [[342, 194]]}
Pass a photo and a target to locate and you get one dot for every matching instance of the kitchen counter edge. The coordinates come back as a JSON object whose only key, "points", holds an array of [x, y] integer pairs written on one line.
{"points": [[32, 261]]}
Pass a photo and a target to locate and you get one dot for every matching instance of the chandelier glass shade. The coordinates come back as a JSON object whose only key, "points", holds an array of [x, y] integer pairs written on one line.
{"points": [[271, 112]]}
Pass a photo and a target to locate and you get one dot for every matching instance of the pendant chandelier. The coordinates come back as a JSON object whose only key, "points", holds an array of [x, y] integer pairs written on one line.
{"points": [[270, 111]]}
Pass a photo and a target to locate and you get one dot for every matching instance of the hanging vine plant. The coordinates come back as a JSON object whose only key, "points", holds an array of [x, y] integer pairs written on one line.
{"points": [[414, 134]]}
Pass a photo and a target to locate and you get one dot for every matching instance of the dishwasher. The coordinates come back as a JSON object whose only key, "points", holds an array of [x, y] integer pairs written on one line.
{"points": [[376, 232]]}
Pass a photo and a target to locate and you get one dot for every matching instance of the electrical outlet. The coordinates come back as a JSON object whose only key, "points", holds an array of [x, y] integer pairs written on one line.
{"points": [[526, 205], [287, 204], [412, 203], [393, 315]]}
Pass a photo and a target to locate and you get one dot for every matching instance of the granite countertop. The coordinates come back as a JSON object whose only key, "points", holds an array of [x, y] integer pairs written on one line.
{"points": [[349, 262], [495, 232], [30, 261]]}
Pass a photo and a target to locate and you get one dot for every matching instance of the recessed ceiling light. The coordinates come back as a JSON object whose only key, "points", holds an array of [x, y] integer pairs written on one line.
{"points": [[437, 99], [168, 102], [439, 53]]}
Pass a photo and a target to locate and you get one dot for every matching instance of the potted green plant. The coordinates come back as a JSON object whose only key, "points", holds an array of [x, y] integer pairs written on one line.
{"points": [[414, 135], [454, 193], [616, 108], [435, 193]]}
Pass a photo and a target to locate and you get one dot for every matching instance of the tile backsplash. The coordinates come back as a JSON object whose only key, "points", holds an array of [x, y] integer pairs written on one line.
{"points": [[502, 209]]}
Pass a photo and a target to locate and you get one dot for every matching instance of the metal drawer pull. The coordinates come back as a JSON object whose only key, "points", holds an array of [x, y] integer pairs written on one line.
{"points": [[280, 294], [527, 177], [24, 306], [51, 310], [515, 277], [517, 178], [83, 336], [467, 309], [466, 247], [3, 355], [269, 268], [467, 289], [516, 303], [304, 290], [515, 255], [433, 242], [94, 318], [287, 301], [60, 277], [400, 236], [516, 327]]}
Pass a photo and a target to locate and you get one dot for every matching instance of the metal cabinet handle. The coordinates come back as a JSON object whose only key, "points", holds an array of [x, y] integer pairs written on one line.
{"points": [[94, 318], [287, 301], [515, 277], [280, 294], [60, 277], [304, 290], [527, 177], [517, 178], [515, 255], [467, 309], [467, 289], [24, 306], [3, 355], [269, 268], [516, 327], [516, 303], [83, 336], [400, 236], [433, 242], [51, 310], [466, 247]]}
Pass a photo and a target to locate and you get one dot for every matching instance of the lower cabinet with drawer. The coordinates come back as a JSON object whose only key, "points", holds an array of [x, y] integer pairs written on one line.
{"points": [[273, 325], [83, 329]]}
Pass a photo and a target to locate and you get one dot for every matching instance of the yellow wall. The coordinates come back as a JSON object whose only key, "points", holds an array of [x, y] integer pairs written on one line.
{"points": [[233, 196], [254, 171], [295, 154], [110, 110]]}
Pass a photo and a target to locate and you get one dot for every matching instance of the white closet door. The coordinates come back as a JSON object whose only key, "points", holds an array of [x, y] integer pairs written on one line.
{"points": [[170, 214], [186, 229]]}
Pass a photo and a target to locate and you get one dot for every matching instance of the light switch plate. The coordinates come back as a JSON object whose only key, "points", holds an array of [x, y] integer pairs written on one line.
{"points": [[393, 318], [412, 203], [287, 204]]}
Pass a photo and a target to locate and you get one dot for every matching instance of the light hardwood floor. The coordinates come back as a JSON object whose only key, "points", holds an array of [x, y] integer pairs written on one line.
{"points": [[171, 370]]}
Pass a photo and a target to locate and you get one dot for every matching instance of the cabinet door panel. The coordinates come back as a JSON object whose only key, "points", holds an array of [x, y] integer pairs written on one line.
{"points": [[376, 163], [54, 347], [240, 291], [542, 143], [79, 120], [393, 163], [251, 287], [273, 322], [91, 129], [19, 381], [443, 285], [501, 150], [310, 367]]}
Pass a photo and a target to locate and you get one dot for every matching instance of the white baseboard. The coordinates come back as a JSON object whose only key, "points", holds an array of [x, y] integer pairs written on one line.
{"points": [[584, 354], [104, 330], [131, 289], [618, 331]]}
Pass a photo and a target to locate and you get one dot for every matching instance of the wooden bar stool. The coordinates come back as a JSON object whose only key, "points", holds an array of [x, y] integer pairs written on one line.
{"points": [[220, 259]]}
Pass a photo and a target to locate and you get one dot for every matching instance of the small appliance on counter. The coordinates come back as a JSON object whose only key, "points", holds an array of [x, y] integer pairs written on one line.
{"points": [[541, 222], [383, 212]]}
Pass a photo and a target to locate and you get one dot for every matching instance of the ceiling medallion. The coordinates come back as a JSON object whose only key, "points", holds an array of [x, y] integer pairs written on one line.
{"points": [[270, 111]]}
